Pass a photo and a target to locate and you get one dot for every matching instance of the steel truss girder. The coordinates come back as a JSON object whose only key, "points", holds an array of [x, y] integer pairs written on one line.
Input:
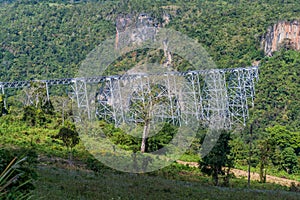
{"points": [[68, 81]]}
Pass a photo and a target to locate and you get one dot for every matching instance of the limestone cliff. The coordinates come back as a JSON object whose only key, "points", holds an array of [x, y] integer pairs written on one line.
{"points": [[283, 34], [134, 29]]}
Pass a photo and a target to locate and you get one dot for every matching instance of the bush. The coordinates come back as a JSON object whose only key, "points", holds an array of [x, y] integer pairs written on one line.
{"points": [[96, 165]]}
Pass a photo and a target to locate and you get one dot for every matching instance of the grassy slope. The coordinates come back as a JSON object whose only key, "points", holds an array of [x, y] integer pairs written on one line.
{"points": [[59, 183]]}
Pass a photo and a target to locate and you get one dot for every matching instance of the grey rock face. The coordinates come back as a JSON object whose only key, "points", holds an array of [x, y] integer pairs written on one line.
{"points": [[281, 35]]}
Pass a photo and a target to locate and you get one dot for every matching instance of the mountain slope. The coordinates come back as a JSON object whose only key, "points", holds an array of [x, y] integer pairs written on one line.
{"points": [[49, 40]]}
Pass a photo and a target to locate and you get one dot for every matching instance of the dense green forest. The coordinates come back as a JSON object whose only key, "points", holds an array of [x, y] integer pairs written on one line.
{"points": [[50, 39]]}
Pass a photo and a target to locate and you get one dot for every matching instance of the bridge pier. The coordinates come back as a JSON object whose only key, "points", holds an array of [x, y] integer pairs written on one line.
{"points": [[47, 92], [80, 93], [3, 94]]}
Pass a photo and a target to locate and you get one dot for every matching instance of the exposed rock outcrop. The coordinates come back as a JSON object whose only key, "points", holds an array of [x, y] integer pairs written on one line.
{"points": [[284, 34], [134, 29]]}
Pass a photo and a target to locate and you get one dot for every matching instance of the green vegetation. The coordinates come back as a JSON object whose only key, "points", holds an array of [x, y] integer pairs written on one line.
{"points": [[276, 113], [218, 158], [69, 137], [44, 40], [17, 173], [77, 184], [50, 39]]}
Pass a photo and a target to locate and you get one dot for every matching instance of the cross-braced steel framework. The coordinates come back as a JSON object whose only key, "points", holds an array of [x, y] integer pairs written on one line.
{"points": [[178, 97], [174, 97]]}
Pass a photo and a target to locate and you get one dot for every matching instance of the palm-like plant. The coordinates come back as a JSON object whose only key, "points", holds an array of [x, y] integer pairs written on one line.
{"points": [[10, 176]]}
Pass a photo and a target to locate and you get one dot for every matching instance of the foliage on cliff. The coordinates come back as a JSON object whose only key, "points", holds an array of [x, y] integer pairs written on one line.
{"points": [[278, 91]]}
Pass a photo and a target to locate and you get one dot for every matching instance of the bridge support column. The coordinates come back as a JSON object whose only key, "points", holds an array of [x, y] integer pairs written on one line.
{"points": [[80, 95], [215, 99], [190, 98], [251, 75], [238, 96], [47, 92], [3, 94], [104, 109]]}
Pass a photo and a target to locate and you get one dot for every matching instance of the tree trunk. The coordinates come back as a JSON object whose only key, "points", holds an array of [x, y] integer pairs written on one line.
{"points": [[227, 177], [145, 136], [215, 176], [265, 175], [70, 155], [262, 174], [146, 126]]}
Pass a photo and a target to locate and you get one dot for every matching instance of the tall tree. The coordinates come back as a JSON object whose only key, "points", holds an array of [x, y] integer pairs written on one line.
{"points": [[142, 106], [218, 158], [69, 137]]}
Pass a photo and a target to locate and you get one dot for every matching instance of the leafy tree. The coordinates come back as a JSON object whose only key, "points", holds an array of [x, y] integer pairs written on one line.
{"points": [[125, 140], [34, 116], [162, 138], [284, 138], [144, 103], [265, 150], [29, 115], [239, 150], [290, 160], [48, 108], [218, 158], [69, 137]]}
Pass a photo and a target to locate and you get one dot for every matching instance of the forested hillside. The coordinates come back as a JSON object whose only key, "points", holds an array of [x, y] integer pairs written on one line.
{"points": [[50, 39], [42, 40]]}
